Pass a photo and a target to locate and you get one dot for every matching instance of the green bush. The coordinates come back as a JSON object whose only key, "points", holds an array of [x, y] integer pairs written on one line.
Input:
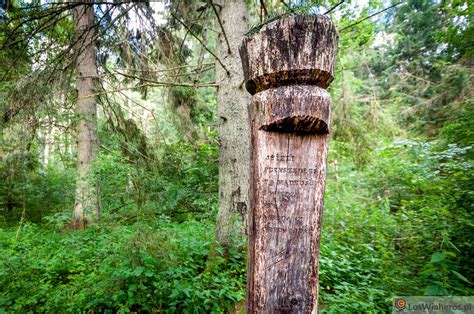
{"points": [[398, 226], [27, 191], [144, 267], [182, 184]]}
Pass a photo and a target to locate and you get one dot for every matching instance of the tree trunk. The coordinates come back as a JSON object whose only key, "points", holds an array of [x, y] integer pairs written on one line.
{"points": [[40, 137], [234, 129], [86, 207], [287, 66]]}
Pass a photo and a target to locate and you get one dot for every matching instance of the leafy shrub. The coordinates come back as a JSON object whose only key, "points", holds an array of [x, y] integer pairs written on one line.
{"points": [[144, 267], [397, 227], [26, 191]]}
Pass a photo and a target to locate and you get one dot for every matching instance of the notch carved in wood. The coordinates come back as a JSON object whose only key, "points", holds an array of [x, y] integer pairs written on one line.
{"points": [[298, 124], [300, 109]]}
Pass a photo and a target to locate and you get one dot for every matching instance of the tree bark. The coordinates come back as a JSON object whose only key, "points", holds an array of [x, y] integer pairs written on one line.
{"points": [[287, 66], [234, 129], [86, 207]]}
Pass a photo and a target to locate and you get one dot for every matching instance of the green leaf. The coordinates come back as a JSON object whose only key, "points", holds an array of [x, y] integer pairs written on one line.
{"points": [[438, 257], [434, 290], [148, 273], [460, 276], [138, 271]]}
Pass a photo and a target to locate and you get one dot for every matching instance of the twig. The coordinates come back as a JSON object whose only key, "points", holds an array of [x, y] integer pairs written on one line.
{"points": [[263, 10], [200, 41], [229, 51], [334, 7], [154, 84], [171, 69], [370, 16], [187, 32], [286, 5], [150, 111]]}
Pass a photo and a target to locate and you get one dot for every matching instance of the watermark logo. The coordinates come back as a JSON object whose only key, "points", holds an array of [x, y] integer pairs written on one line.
{"points": [[400, 304], [419, 304]]}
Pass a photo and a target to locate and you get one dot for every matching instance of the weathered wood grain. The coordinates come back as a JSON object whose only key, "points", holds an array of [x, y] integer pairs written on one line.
{"points": [[295, 50], [286, 66], [285, 109]]}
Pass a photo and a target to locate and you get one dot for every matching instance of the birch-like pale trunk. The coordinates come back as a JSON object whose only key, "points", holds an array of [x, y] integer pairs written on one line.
{"points": [[86, 207], [234, 126]]}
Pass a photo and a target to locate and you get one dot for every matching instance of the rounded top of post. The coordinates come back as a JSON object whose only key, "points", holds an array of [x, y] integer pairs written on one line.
{"points": [[293, 50]]}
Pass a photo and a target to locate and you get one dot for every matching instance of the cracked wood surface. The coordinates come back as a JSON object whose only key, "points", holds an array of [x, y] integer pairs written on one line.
{"points": [[287, 67]]}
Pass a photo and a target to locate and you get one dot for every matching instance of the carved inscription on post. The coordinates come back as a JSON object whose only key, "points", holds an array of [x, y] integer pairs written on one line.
{"points": [[287, 67]]}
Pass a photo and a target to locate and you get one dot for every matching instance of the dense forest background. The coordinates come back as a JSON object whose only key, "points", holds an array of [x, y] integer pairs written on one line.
{"points": [[399, 203]]}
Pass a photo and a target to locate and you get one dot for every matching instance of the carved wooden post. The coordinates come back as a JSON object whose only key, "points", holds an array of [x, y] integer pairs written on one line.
{"points": [[287, 66]]}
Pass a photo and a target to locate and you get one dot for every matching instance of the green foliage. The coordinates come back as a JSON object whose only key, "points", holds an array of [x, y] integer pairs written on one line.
{"points": [[430, 193], [460, 128], [460, 28], [356, 259], [182, 185], [397, 227], [115, 178], [27, 190], [398, 208], [188, 185], [154, 266]]}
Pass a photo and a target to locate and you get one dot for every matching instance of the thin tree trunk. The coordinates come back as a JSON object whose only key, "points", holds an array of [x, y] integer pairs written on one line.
{"points": [[86, 204], [48, 140], [39, 135], [234, 129]]}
